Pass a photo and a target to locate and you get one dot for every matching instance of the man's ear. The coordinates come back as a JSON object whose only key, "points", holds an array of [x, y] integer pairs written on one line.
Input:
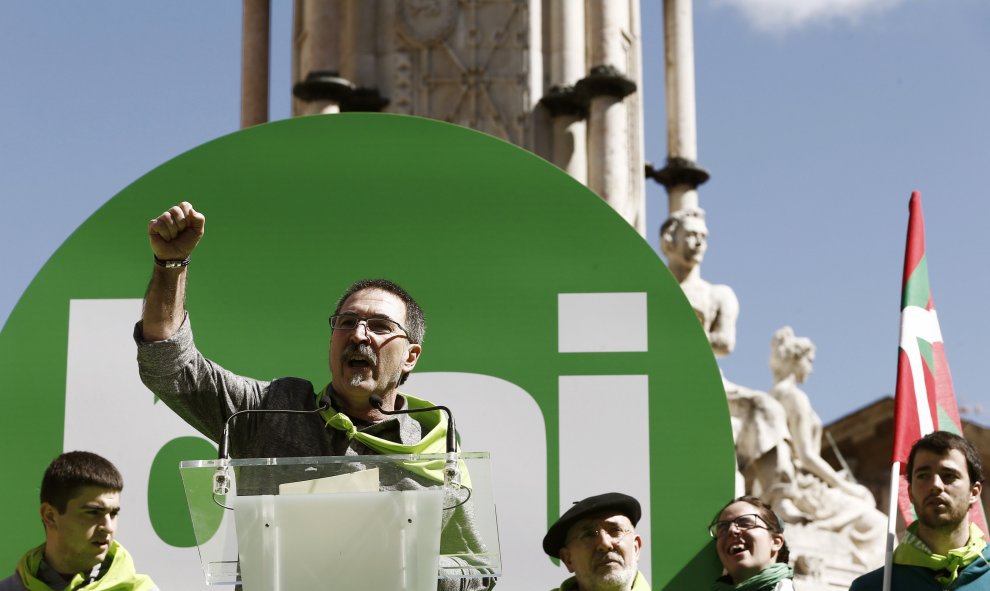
{"points": [[412, 356], [565, 557], [974, 492], [48, 513]]}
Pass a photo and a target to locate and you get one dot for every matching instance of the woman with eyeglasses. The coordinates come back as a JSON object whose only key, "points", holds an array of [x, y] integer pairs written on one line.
{"points": [[749, 540]]}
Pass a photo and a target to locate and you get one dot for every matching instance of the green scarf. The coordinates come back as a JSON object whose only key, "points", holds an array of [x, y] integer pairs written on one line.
{"points": [[119, 577], [433, 442], [762, 581], [914, 552]]}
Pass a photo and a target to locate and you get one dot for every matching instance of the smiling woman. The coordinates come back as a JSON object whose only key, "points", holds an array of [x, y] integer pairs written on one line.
{"points": [[750, 543]]}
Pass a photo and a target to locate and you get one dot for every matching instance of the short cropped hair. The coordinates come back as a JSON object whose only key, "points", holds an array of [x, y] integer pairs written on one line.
{"points": [[940, 442], [73, 470], [415, 323]]}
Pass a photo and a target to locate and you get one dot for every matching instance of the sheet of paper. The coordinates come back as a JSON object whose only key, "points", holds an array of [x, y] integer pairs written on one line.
{"points": [[363, 481]]}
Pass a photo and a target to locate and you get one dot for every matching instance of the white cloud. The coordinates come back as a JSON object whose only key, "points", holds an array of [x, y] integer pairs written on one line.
{"points": [[781, 15]]}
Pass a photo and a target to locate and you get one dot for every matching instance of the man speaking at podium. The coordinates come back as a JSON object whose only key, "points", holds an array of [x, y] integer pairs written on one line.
{"points": [[376, 338]]}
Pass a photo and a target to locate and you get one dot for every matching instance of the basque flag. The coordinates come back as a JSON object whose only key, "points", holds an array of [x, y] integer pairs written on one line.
{"points": [[924, 398]]}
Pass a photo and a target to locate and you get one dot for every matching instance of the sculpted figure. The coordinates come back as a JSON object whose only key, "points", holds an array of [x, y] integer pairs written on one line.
{"points": [[684, 240], [759, 426], [819, 494], [791, 361]]}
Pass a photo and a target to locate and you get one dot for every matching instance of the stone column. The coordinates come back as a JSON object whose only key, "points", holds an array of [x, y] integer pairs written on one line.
{"points": [[359, 59], [567, 66], [255, 35], [318, 86], [335, 44], [608, 117], [681, 175]]}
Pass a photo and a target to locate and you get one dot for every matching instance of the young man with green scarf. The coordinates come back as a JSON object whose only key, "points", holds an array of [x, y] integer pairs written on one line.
{"points": [[80, 500], [942, 549], [596, 540], [376, 336]]}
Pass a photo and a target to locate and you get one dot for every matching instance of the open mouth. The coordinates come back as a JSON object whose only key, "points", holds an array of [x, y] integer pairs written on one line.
{"points": [[737, 548], [359, 357]]}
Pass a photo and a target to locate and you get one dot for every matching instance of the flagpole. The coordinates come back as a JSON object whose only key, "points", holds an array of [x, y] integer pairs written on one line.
{"points": [[888, 559]]}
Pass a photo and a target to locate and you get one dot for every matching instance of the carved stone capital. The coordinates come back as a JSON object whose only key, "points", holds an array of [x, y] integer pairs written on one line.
{"points": [[367, 100], [605, 81], [678, 171], [565, 100], [323, 85]]}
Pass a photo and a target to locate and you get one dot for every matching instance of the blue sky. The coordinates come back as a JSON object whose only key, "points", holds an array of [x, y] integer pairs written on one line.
{"points": [[816, 119]]}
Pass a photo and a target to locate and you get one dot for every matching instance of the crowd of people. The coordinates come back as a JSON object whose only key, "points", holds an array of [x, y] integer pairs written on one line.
{"points": [[377, 332]]}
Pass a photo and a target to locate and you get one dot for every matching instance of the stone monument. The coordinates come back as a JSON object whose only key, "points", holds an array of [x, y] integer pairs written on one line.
{"points": [[833, 527], [560, 78], [759, 426], [838, 517]]}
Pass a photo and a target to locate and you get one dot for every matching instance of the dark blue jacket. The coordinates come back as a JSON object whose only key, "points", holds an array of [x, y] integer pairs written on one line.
{"points": [[917, 578]]}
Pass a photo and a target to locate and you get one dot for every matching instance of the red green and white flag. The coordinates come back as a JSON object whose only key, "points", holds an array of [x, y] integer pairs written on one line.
{"points": [[924, 399]]}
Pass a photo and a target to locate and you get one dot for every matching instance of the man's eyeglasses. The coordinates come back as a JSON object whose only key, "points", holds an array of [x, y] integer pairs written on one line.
{"points": [[589, 537], [376, 324], [719, 528]]}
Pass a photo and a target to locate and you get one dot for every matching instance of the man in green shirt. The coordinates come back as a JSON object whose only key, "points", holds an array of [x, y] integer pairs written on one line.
{"points": [[596, 540]]}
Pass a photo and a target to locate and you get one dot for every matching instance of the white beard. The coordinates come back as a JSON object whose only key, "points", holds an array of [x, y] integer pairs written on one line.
{"points": [[616, 580]]}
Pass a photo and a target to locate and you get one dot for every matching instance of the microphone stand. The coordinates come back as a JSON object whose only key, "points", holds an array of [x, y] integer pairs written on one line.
{"points": [[221, 478]]}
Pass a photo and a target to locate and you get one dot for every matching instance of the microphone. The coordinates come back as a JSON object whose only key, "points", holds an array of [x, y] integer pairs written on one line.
{"points": [[450, 468], [221, 478]]}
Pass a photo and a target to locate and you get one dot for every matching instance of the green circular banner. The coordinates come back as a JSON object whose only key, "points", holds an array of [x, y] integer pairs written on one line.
{"points": [[555, 333]]}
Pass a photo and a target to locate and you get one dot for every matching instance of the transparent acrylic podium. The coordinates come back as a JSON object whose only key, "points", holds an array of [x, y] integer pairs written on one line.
{"points": [[356, 522]]}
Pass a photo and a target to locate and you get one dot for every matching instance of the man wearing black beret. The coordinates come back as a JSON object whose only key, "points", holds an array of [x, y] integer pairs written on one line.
{"points": [[596, 540]]}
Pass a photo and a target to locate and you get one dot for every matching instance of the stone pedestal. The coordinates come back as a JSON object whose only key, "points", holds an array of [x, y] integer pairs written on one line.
{"points": [[822, 560]]}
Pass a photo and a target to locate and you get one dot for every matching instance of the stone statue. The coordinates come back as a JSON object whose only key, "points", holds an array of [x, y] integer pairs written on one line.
{"points": [[684, 240], [791, 360], [759, 426], [819, 494]]}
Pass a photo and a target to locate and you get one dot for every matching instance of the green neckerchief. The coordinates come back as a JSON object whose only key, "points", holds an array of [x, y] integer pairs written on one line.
{"points": [[119, 577], [912, 551], [764, 580], [433, 442]]}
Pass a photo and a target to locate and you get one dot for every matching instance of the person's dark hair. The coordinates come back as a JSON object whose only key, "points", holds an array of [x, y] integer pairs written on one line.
{"points": [[940, 442], [415, 323], [766, 512], [72, 471]]}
